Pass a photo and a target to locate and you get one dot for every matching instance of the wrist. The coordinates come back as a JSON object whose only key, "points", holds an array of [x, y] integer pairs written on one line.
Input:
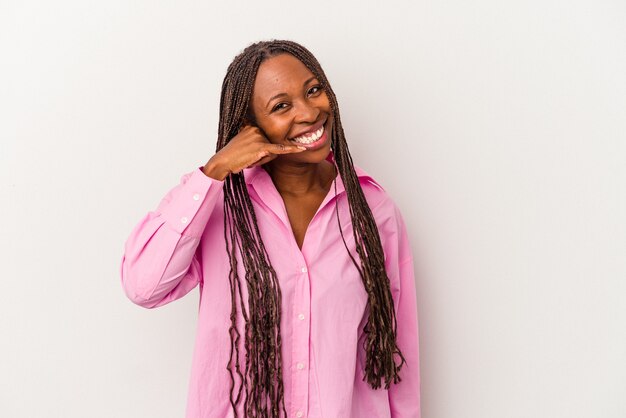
{"points": [[212, 169]]}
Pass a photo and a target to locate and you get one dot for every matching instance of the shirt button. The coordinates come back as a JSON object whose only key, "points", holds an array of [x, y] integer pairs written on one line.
{"points": [[304, 270], [301, 317], [184, 219], [196, 196], [300, 366], [299, 414]]}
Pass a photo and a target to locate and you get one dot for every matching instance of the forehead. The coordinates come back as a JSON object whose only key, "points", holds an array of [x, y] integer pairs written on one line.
{"points": [[280, 74]]}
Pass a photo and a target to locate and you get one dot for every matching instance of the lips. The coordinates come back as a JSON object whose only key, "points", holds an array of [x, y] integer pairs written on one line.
{"points": [[313, 138], [309, 138], [313, 132]]}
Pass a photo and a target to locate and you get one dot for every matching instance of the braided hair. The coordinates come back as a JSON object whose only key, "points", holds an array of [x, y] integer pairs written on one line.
{"points": [[262, 377]]}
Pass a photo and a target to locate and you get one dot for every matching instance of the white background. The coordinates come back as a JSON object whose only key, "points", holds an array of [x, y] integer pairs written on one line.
{"points": [[498, 127]]}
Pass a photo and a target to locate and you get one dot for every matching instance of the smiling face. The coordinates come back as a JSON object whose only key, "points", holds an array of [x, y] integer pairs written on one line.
{"points": [[291, 107]]}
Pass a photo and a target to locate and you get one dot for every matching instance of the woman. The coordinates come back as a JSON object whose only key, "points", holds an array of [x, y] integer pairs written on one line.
{"points": [[307, 295]]}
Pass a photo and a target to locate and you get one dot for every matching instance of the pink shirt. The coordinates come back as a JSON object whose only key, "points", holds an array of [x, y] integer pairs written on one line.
{"points": [[181, 245]]}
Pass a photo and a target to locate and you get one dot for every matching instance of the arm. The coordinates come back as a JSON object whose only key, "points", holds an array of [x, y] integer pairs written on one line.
{"points": [[404, 397], [159, 264]]}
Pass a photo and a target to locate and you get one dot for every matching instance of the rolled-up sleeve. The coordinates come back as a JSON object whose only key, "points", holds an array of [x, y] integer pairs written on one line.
{"points": [[159, 263]]}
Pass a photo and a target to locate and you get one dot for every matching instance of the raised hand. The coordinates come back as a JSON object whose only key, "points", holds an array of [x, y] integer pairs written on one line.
{"points": [[248, 148]]}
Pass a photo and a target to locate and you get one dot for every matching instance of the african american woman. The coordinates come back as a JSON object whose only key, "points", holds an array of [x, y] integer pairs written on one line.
{"points": [[307, 291]]}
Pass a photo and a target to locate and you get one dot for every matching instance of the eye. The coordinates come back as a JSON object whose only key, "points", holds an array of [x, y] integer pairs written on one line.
{"points": [[280, 106], [315, 90]]}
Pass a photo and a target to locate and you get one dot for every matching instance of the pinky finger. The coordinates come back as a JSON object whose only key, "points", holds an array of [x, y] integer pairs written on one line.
{"points": [[264, 160]]}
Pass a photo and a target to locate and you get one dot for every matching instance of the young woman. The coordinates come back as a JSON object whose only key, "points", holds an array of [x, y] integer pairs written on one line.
{"points": [[307, 293]]}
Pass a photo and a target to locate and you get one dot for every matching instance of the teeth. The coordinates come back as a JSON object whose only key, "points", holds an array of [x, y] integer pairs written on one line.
{"points": [[310, 138]]}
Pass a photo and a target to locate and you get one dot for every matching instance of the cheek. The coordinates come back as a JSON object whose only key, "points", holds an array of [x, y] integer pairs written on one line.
{"points": [[276, 128], [324, 102]]}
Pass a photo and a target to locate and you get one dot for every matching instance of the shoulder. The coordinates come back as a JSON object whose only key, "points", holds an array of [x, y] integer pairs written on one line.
{"points": [[367, 181], [374, 192], [385, 211], [388, 218]]}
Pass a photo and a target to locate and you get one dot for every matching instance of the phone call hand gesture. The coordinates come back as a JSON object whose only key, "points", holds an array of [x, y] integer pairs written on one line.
{"points": [[248, 148]]}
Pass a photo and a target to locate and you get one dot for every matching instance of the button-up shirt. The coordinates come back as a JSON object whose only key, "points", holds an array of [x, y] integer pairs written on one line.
{"points": [[180, 246]]}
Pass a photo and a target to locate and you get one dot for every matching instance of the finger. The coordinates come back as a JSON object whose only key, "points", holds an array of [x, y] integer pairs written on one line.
{"points": [[284, 149], [264, 160], [260, 156]]}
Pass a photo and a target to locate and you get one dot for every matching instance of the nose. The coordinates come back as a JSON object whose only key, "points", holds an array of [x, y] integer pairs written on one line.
{"points": [[306, 112]]}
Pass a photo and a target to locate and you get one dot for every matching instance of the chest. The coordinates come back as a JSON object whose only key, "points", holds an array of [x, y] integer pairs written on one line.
{"points": [[300, 211], [315, 274]]}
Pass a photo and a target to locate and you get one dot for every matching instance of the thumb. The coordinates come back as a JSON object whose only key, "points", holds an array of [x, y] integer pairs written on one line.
{"points": [[245, 123]]}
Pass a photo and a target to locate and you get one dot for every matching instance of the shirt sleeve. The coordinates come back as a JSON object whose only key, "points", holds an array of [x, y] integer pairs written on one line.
{"points": [[160, 264], [404, 397]]}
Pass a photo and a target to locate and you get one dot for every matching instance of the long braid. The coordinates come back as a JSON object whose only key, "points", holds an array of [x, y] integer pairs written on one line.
{"points": [[262, 376], [264, 392], [381, 326]]}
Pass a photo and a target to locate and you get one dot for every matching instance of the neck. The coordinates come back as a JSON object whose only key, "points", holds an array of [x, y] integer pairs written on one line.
{"points": [[300, 178]]}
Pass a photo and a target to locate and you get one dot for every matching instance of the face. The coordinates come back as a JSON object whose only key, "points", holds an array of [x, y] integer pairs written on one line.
{"points": [[291, 107]]}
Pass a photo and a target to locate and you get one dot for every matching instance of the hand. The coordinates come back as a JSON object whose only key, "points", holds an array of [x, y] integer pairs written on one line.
{"points": [[249, 148]]}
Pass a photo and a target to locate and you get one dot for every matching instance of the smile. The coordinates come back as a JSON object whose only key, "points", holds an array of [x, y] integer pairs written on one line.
{"points": [[311, 137]]}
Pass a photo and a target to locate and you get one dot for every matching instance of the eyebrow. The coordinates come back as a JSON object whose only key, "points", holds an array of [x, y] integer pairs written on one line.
{"points": [[285, 94]]}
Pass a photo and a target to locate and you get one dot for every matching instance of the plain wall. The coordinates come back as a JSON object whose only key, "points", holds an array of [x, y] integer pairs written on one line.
{"points": [[498, 127]]}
